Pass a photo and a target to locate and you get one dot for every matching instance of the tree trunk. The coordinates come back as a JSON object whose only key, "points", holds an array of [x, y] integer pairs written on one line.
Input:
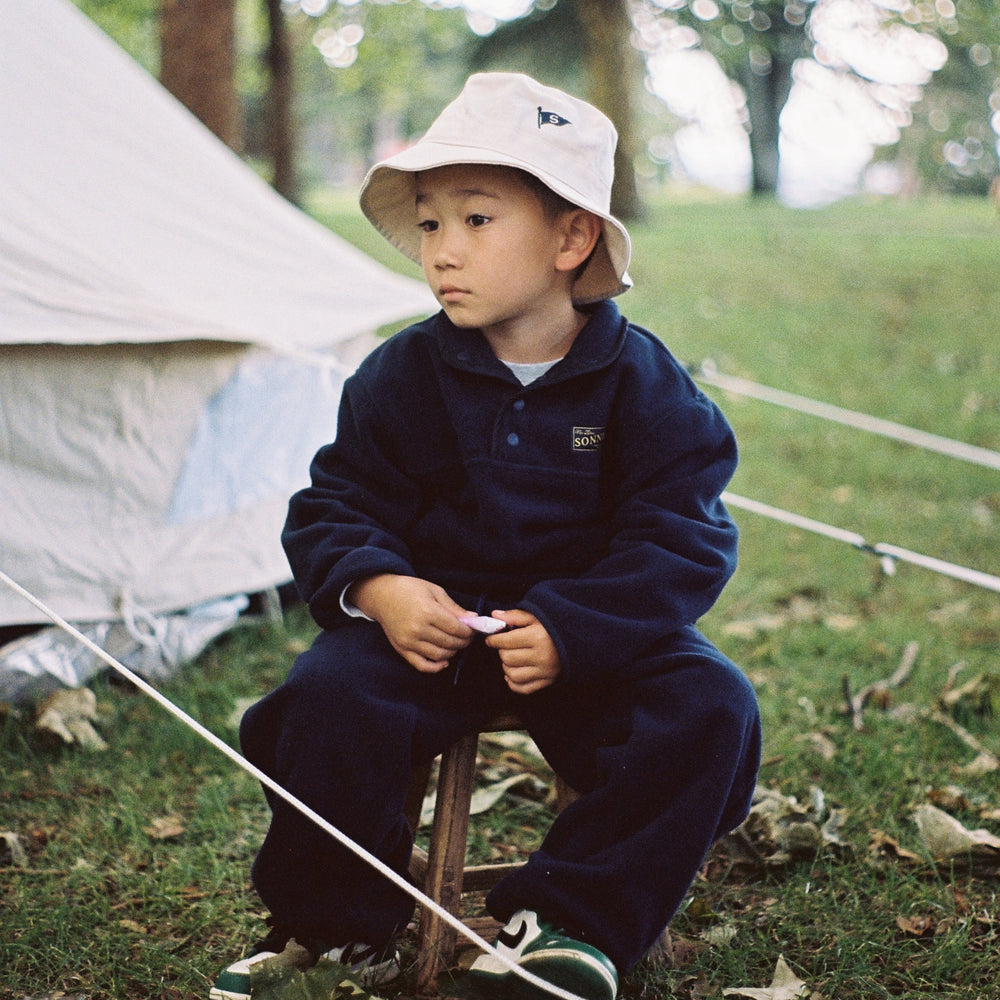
{"points": [[198, 60], [766, 95], [613, 70], [280, 128]]}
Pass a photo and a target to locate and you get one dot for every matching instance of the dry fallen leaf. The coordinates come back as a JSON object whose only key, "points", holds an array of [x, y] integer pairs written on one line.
{"points": [[750, 627], [69, 713], [917, 926], [949, 612], [984, 763], [719, 936], [949, 798], [978, 696], [946, 838], [701, 987], [10, 843], [483, 799], [675, 950], [164, 828], [882, 845], [819, 742], [840, 623], [784, 986], [284, 978], [781, 829], [830, 830], [793, 610]]}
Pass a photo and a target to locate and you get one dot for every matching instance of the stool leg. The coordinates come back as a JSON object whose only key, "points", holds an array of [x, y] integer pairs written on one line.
{"points": [[446, 858]]}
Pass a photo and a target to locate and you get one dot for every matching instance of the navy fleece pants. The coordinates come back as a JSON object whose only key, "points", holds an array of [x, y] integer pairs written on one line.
{"points": [[665, 755]]}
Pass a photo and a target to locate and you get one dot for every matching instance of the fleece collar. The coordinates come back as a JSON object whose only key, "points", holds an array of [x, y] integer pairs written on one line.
{"points": [[596, 346]]}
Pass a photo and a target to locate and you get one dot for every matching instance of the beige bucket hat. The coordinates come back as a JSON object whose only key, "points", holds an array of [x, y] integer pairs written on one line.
{"points": [[508, 119]]}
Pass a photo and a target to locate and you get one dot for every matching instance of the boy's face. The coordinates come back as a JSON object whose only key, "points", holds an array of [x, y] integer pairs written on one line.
{"points": [[489, 251]]}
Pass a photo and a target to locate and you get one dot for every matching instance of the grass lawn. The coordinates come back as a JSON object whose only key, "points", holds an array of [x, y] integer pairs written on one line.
{"points": [[135, 880]]}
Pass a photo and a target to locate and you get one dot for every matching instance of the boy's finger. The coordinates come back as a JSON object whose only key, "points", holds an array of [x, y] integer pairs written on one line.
{"points": [[515, 618], [427, 666], [507, 640], [449, 623], [527, 685]]}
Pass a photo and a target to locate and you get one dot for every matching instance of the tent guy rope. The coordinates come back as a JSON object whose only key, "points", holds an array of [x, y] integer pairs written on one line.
{"points": [[888, 554], [296, 803], [709, 374]]}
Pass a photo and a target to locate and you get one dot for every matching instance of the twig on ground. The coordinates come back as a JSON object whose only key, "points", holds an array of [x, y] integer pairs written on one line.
{"points": [[986, 759], [856, 703], [953, 673]]}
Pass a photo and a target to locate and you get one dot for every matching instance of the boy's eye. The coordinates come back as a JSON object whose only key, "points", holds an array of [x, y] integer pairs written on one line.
{"points": [[476, 220], [427, 225]]}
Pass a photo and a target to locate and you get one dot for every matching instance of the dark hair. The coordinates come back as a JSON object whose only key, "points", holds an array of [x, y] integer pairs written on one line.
{"points": [[552, 204]]}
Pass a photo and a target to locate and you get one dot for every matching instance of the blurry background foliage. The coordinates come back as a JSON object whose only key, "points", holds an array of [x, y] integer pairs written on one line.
{"points": [[371, 74]]}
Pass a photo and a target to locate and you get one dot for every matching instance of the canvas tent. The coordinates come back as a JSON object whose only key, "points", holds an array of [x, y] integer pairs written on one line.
{"points": [[173, 337]]}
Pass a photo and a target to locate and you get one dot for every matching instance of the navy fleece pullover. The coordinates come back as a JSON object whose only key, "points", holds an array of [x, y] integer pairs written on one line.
{"points": [[589, 498]]}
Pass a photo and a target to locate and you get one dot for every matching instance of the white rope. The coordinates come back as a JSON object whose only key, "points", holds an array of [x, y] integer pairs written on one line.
{"points": [[888, 554], [886, 428], [270, 783]]}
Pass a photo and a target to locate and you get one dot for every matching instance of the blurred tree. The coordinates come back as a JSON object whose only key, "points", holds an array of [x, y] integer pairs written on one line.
{"points": [[385, 69], [952, 143], [393, 66], [757, 42], [370, 76], [198, 62], [280, 130], [259, 85], [581, 45]]}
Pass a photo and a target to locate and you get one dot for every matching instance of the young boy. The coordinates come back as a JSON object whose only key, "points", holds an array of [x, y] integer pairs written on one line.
{"points": [[529, 456]]}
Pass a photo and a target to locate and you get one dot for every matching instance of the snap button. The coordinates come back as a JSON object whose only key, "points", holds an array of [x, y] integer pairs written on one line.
{"points": [[518, 404], [513, 439]]}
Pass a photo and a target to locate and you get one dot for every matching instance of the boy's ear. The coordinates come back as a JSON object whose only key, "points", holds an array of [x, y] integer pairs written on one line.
{"points": [[581, 231]]}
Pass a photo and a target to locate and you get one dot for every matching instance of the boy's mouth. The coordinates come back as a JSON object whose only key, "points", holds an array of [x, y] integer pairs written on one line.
{"points": [[450, 293]]}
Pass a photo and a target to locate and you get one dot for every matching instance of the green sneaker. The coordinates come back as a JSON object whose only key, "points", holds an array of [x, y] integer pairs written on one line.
{"points": [[532, 944], [371, 966]]}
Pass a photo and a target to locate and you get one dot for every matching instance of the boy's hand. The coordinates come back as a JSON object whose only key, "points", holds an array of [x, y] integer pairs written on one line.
{"points": [[419, 619], [527, 653]]}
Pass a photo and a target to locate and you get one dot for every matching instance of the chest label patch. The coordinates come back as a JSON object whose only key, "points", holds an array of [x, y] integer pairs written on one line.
{"points": [[588, 438]]}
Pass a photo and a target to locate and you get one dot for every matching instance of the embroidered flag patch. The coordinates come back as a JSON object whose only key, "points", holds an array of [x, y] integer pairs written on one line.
{"points": [[551, 118]]}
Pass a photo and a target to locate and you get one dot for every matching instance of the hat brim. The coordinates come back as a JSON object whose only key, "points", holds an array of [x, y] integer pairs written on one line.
{"points": [[388, 200]]}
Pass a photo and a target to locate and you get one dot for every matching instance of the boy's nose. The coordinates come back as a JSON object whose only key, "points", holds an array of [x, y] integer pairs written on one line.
{"points": [[447, 249]]}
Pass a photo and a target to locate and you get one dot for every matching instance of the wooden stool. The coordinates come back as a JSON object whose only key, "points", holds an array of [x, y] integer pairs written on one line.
{"points": [[441, 869]]}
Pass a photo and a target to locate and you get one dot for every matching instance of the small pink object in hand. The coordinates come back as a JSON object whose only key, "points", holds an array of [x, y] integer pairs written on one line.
{"points": [[482, 624]]}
